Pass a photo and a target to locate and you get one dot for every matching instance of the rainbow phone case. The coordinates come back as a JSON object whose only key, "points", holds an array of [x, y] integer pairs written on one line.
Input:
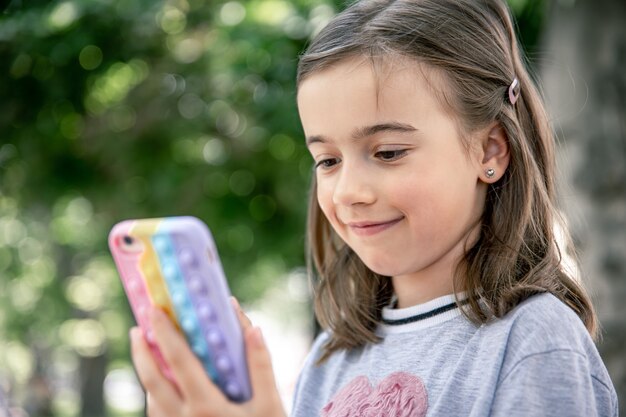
{"points": [[173, 263]]}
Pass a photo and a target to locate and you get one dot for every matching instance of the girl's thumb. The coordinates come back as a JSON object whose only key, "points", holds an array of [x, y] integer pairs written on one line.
{"points": [[259, 361], [261, 371]]}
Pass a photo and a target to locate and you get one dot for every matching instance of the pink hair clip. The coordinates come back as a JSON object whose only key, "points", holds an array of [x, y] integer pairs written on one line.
{"points": [[514, 91]]}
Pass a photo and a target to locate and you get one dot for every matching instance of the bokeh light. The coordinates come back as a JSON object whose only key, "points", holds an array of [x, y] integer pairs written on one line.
{"points": [[232, 13], [63, 15], [90, 57], [122, 391], [86, 336]]}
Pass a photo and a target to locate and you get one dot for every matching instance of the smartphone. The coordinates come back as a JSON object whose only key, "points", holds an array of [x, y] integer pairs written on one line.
{"points": [[172, 263]]}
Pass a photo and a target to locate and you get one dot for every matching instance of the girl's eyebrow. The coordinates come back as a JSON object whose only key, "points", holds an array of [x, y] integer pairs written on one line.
{"points": [[367, 131]]}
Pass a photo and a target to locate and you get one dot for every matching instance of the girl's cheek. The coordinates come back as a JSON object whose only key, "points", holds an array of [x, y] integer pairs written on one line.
{"points": [[324, 196], [324, 200], [327, 211]]}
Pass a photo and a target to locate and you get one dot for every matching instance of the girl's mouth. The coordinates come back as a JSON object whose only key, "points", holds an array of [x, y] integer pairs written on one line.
{"points": [[369, 228]]}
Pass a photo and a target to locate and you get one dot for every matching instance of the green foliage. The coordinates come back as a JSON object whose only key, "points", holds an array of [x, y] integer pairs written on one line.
{"points": [[135, 108], [530, 17]]}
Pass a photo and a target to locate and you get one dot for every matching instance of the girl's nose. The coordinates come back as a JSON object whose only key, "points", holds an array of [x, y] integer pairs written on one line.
{"points": [[354, 186]]}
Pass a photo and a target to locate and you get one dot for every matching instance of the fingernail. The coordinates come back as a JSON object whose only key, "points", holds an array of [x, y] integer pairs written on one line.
{"points": [[155, 314]]}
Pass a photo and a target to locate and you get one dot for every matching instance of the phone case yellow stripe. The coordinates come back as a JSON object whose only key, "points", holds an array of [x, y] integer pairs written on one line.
{"points": [[149, 264]]}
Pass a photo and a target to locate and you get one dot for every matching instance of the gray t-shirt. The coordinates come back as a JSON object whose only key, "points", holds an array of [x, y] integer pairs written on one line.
{"points": [[538, 360]]}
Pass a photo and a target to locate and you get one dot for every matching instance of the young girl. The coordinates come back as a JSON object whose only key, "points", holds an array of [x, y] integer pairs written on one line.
{"points": [[440, 281]]}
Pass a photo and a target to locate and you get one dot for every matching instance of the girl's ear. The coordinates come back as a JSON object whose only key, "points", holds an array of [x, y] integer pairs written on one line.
{"points": [[494, 153]]}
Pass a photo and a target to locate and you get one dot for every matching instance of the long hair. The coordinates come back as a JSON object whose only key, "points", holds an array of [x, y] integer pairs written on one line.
{"points": [[472, 43]]}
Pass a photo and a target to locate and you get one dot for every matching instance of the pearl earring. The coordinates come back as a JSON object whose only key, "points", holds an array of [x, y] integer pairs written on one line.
{"points": [[490, 172]]}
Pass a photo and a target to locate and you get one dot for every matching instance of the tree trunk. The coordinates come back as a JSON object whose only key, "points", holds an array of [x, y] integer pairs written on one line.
{"points": [[92, 373], [584, 79]]}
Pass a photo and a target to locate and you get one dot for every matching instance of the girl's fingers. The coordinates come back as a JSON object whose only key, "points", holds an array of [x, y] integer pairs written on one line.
{"points": [[153, 381], [262, 379], [152, 408], [188, 371], [244, 321], [265, 395]]}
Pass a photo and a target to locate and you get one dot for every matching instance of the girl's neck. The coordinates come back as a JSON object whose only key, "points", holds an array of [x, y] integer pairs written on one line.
{"points": [[415, 289], [434, 280]]}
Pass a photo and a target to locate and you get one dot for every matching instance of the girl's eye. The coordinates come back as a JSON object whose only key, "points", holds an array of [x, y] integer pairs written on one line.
{"points": [[326, 163], [391, 155]]}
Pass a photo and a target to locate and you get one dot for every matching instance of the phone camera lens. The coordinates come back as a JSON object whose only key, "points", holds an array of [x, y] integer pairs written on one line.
{"points": [[129, 244]]}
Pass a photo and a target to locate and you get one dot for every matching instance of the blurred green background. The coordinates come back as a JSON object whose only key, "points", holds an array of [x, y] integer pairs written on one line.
{"points": [[116, 109]]}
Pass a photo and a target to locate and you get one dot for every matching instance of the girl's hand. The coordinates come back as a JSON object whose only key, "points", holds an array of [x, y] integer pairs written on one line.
{"points": [[195, 394]]}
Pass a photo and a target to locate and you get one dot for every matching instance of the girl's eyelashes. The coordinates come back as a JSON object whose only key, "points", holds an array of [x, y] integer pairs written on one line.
{"points": [[326, 163], [391, 154]]}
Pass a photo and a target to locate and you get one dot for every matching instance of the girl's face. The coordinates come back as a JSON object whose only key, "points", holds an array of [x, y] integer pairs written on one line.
{"points": [[393, 177]]}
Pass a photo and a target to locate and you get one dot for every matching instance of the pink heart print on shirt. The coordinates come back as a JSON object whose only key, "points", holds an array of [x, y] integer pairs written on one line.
{"points": [[398, 395]]}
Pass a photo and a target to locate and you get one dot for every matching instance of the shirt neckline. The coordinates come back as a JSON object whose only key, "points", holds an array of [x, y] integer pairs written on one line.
{"points": [[420, 316]]}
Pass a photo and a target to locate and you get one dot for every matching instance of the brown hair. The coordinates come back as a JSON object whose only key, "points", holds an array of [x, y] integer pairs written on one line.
{"points": [[473, 44]]}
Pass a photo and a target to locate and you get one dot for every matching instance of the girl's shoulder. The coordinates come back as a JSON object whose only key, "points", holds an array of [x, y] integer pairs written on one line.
{"points": [[541, 323], [544, 316], [545, 345], [542, 328], [312, 378], [316, 350]]}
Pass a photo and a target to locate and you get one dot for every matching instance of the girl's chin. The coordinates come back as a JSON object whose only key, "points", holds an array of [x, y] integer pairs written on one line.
{"points": [[384, 268], [383, 263]]}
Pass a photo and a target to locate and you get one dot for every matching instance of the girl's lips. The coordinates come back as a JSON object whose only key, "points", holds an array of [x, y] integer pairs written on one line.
{"points": [[371, 228]]}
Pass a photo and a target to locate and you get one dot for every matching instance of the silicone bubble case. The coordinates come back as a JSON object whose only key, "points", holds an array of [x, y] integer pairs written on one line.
{"points": [[172, 263]]}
